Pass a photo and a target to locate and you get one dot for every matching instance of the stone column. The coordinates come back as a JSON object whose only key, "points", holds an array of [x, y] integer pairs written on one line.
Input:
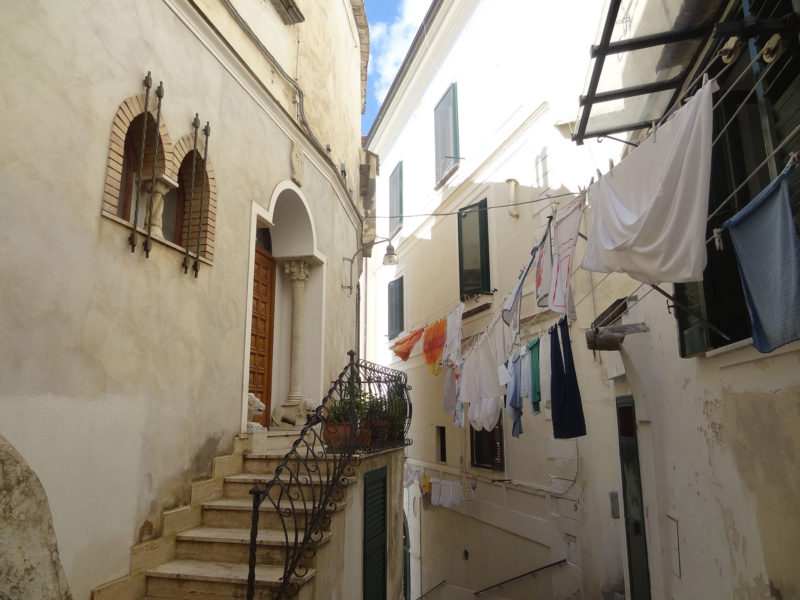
{"points": [[161, 188], [292, 409]]}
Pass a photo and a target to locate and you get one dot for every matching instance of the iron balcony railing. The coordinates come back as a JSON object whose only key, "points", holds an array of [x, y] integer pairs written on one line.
{"points": [[367, 409]]}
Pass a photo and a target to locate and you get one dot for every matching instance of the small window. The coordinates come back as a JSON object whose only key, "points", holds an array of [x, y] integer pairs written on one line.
{"points": [[441, 444], [473, 249], [396, 199], [487, 447], [445, 122], [395, 307]]}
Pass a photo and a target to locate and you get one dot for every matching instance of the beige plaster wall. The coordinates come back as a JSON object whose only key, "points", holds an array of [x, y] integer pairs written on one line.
{"points": [[719, 437], [120, 377]]}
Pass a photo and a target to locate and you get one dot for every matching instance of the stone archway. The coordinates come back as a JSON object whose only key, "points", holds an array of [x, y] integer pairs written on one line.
{"points": [[298, 339]]}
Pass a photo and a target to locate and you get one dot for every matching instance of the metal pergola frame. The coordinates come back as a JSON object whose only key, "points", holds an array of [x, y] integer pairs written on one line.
{"points": [[606, 47]]}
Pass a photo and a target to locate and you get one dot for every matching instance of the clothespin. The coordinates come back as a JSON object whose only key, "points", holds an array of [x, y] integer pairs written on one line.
{"points": [[717, 238], [591, 181], [794, 158], [655, 127], [599, 174], [610, 164]]}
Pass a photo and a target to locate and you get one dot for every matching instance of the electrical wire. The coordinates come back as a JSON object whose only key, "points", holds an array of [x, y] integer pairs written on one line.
{"points": [[447, 214]]}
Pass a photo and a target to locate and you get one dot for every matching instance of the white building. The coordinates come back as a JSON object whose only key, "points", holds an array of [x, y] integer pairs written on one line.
{"points": [[705, 442]]}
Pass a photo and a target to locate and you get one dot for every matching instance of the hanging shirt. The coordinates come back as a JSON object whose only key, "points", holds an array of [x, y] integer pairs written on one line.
{"points": [[513, 397], [648, 214], [536, 390], [452, 344], [450, 392], [768, 254], [433, 344], [565, 237], [469, 390], [545, 375], [544, 269], [568, 421], [510, 312], [525, 374], [402, 348]]}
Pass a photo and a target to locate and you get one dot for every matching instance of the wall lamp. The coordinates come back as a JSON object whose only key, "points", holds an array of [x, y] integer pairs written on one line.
{"points": [[389, 259]]}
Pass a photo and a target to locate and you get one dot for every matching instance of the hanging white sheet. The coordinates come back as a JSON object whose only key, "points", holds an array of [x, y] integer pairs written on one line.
{"points": [[565, 236], [648, 214]]}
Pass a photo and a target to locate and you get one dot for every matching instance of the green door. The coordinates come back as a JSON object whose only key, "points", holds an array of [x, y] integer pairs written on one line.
{"points": [[374, 564], [632, 500]]}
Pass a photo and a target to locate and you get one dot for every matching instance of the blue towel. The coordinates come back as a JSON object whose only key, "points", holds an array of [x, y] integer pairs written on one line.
{"points": [[513, 394], [768, 253]]}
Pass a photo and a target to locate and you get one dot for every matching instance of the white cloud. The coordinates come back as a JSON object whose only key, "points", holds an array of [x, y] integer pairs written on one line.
{"points": [[389, 43]]}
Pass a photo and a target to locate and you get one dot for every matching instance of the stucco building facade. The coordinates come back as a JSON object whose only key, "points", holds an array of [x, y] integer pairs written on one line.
{"points": [[683, 485], [128, 353]]}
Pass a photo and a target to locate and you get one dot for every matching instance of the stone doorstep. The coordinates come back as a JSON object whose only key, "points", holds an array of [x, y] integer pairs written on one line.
{"points": [[269, 440]]}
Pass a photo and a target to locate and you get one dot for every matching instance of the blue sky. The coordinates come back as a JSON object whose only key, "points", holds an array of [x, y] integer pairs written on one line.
{"points": [[392, 26]]}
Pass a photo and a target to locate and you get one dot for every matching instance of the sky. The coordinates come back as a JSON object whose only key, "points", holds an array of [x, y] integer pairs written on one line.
{"points": [[392, 26]]}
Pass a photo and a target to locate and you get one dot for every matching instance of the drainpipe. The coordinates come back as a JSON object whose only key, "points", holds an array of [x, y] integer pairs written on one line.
{"points": [[513, 184]]}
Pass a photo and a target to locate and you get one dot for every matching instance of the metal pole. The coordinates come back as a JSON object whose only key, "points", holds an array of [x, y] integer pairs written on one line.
{"points": [[196, 266], [148, 243], [196, 126], [148, 83], [686, 309]]}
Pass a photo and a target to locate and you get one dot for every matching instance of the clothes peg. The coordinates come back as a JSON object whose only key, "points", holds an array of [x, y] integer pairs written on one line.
{"points": [[717, 238], [610, 164]]}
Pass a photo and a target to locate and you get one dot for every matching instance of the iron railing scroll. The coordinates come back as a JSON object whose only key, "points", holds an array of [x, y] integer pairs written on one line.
{"points": [[367, 409]]}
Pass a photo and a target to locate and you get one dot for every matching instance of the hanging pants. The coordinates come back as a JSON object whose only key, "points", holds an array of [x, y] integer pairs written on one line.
{"points": [[568, 421]]}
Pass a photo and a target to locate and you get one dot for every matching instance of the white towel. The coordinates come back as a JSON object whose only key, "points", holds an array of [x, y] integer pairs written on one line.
{"points": [[648, 214]]}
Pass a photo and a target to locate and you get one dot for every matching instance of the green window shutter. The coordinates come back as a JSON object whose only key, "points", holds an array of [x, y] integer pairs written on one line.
{"points": [[445, 122], [396, 199], [473, 249], [396, 324], [374, 563]]}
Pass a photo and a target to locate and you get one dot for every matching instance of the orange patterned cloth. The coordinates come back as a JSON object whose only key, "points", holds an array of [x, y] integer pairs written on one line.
{"points": [[434, 344], [403, 348]]}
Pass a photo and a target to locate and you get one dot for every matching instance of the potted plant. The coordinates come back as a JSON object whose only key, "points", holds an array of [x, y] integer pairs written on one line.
{"points": [[376, 417], [337, 430], [397, 413]]}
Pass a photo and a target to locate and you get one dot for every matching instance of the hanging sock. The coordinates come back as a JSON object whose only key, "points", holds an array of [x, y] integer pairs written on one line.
{"points": [[403, 348], [568, 421], [433, 344], [565, 236], [648, 216], [768, 254]]}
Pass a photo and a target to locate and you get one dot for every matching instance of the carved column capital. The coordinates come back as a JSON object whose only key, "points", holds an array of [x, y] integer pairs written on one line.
{"points": [[296, 269]]}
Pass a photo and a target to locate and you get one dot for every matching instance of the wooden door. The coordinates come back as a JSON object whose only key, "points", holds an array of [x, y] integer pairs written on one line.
{"points": [[261, 330]]}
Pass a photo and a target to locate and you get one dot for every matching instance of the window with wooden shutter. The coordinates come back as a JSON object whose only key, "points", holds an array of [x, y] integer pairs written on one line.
{"points": [[487, 449], [396, 324], [445, 122], [374, 563], [396, 199], [473, 249]]}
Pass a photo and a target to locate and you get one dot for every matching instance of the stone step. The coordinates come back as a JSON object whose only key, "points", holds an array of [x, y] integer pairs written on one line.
{"points": [[267, 462], [233, 545], [236, 513], [239, 486], [202, 580], [269, 440]]}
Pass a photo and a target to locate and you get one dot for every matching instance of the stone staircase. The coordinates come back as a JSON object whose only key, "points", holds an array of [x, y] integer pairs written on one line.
{"points": [[204, 551], [211, 561]]}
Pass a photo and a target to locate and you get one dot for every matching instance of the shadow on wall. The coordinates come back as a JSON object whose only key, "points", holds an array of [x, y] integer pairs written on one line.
{"points": [[30, 566]]}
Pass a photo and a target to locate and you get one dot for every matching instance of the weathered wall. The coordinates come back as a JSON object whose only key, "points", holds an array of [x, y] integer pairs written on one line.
{"points": [[121, 377], [718, 436], [30, 566]]}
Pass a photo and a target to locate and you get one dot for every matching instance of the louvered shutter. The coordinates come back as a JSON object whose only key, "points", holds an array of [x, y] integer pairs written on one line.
{"points": [[396, 199], [396, 324], [445, 118], [374, 565]]}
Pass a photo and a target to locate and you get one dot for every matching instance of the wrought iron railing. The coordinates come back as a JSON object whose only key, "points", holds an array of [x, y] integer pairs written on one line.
{"points": [[367, 409]]}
